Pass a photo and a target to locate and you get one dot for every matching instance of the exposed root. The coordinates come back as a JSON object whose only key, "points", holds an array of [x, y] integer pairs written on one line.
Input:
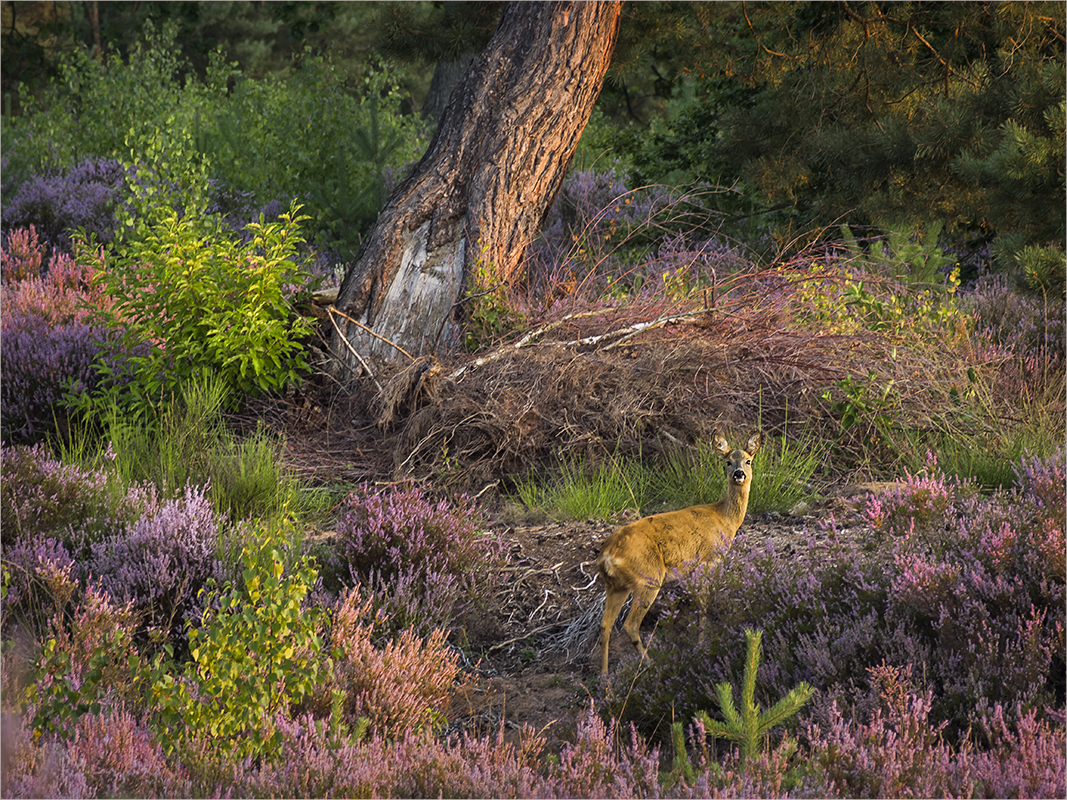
{"points": [[415, 386]]}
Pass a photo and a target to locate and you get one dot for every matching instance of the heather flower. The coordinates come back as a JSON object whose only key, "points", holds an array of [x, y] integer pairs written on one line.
{"points": [[88, 653], [60, 293], [111, 754], [42, 496], [29, 562], [923, 503], [162, 560], [21, 255], [596, 766], [49, 349], [59, 203], [899, 752], [42, 366], [427, 560], [1020, 323], [40, 769], [1029, 761], [401, 686], [313, 764]]}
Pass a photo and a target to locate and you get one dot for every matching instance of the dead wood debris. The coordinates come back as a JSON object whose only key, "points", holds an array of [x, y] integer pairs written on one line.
{"points": [[603, 386], [414, 386], [634, 381]]}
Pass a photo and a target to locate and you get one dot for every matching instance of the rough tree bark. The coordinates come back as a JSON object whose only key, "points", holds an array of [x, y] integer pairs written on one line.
{"points": [[446, 75], [481, 191]]}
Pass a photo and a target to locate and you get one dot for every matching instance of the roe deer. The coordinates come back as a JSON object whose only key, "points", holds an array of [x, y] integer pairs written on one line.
{"points": [[637, 557]]}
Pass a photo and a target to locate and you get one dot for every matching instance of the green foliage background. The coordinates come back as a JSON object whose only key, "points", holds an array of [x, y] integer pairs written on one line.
{"points": [[877, 115], [225, 143]]}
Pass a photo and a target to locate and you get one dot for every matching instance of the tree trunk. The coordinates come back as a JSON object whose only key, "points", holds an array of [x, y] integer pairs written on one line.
{"points": [[446, 74], [481, 191]]}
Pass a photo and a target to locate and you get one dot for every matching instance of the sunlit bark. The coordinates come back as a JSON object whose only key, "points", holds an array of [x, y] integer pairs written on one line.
{"points": [[482, 190]]}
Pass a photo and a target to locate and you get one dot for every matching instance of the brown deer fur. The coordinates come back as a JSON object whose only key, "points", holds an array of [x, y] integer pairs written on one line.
{"points": [[637, 557]]}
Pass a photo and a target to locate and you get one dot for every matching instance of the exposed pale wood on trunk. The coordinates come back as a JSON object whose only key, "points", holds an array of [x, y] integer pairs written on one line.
{"points": [[488, 177]]}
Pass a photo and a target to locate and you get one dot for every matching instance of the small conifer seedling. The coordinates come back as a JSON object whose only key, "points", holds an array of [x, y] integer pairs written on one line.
{"points": [[749, 726]]}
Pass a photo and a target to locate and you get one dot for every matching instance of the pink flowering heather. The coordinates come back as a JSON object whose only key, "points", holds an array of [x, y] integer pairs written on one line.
{"points": [[61, 294], [48, 345], [427, 562], [57, 203], [899, 752], [401, 686], [28, 563], [41, 496], [921, 505], [111, 754], [22, 255], [594, 765], [161, 562]]}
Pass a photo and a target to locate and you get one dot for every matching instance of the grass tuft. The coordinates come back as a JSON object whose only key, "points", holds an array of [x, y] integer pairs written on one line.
{"points": [[782, 476], [191, 446]]}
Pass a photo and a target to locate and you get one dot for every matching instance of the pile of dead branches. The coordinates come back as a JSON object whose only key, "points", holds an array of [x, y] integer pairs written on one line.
{"points": [[608, 383]]}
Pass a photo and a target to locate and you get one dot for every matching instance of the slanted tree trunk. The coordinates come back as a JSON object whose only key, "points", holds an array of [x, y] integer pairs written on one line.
{"points": [[481, 191], [446, 75]]}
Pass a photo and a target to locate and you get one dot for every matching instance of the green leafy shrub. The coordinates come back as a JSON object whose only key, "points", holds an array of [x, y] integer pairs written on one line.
{"points": [[256, 651], [207, 304], [490, 314]]}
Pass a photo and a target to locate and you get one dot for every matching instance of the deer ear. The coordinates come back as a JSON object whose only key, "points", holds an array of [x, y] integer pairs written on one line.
{"points": [[720, 445], [754, 442]]}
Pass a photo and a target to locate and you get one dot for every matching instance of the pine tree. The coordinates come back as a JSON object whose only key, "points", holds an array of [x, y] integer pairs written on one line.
{"points": [[884, 116], [749, 726]]}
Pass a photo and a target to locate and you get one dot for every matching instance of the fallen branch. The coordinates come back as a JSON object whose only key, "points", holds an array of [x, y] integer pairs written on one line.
{"points": [[641, 327], [627, 333], [378, 336], [523, 342], [348, 344]]}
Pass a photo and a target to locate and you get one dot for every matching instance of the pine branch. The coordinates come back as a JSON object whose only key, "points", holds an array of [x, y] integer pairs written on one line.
{"points": [[750, 726]]}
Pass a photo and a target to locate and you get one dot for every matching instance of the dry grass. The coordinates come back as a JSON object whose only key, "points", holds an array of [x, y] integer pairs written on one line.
{"points": [[649, 376], [595, 388]]}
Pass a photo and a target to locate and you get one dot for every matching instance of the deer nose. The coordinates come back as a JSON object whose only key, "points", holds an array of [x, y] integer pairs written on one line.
{"points": [[739, 476]]}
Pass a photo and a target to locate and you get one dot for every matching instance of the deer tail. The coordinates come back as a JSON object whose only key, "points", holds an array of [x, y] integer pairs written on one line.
{"points": [[606, 564]]}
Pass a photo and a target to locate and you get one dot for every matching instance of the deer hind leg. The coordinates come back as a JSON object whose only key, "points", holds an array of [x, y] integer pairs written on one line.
{"points": [[644, 597], [612, 606]]}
